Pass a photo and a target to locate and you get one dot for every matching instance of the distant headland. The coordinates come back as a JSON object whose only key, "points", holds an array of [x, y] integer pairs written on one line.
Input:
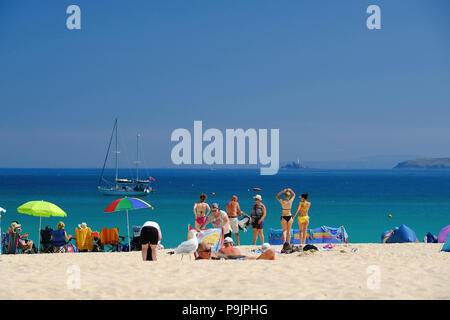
{"points": [[425, 163], [294, 165]]}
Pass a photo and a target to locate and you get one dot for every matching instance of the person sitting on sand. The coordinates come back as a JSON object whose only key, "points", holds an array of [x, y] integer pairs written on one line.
{"points": [[150, 238], [219, 219], [25, 244], [201, 211], [267, 253], [233, 211], [286, 215], [204, 252], [229, 248], [303, 218]]}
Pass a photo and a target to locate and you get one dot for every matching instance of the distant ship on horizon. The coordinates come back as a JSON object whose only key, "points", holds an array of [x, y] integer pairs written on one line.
{"points": [[294, 165]]}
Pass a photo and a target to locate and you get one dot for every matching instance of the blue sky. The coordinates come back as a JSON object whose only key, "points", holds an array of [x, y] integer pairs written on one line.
{"points": [[335, 89]]}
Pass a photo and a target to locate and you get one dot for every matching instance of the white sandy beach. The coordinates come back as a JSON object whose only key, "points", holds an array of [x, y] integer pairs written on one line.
{"points": [[407, 271]]}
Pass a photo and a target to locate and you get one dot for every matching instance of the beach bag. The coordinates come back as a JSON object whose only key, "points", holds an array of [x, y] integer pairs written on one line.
{"points": [[310, 247], [431, 238]]}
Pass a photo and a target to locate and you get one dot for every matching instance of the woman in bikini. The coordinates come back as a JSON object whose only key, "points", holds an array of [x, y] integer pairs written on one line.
{"points": [[201, 211], [303, 218], [286, 216]]}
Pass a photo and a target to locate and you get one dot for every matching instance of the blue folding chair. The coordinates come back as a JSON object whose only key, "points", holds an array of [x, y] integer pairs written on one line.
{"points": [[59, 240], [46, 240]]}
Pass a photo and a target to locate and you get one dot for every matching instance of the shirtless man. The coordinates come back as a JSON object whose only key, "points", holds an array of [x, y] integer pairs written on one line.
{"points": [[267, 253], [201, 211], [229, 249], [233, 211], [303, 218], [205, 253]]}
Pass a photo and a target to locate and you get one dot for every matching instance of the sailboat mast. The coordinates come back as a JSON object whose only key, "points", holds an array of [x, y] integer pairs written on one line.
{"points": [[137, 157], [117, 153]]}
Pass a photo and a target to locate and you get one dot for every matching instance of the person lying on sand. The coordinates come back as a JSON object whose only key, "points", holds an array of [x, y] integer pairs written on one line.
{"points": [[229, 248], [267, 253], [205, 253]]}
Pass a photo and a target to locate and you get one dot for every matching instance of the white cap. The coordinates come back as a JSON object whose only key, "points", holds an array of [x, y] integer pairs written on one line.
{"points": [[228, 240], [265, 247], [258, 197]]}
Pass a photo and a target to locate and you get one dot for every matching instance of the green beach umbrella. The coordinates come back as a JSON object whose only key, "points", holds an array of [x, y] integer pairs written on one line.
{"points": [[41, 209]]}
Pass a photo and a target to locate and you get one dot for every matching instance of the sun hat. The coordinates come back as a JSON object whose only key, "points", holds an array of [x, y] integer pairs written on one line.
{"points": [[258, 197], [15, 225], [228, 240], [215, 205], [265, 247], [83, 225]]}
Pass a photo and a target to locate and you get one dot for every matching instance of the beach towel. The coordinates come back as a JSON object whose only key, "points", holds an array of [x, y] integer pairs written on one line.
{"points": [[109, 236], [84, 239], [322, 234], [446, 246], [213, 237]]}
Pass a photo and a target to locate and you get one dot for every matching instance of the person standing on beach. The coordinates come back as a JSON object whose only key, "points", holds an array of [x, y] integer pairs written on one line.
{"points": [[303, 218], [286, 216], [219, 219], [233, 211], [201, 211], [150, 238], [258, 215]]}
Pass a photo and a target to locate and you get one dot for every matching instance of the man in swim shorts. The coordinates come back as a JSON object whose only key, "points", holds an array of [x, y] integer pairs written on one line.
{"points": [[150, 238], [233, 211]]}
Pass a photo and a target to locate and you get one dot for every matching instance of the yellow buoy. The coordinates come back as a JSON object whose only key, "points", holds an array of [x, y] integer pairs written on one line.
{"points": [[213, 193], [390, 215]]}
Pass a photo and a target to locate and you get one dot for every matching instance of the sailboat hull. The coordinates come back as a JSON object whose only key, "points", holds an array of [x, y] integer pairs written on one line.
{"points": [[112, 192]]}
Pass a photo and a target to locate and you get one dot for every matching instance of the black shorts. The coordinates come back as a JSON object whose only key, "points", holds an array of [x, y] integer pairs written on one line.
{"points": [[227, 235], [149, 235]]}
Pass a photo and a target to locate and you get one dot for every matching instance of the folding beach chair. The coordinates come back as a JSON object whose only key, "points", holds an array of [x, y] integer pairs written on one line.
{"points": [[84, 239], [136, 241], [46, 240], [59, 242], [10, 243], [109, 239]]}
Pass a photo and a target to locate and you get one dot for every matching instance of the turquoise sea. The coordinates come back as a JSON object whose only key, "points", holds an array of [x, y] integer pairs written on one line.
{"points": [[360, 200]]}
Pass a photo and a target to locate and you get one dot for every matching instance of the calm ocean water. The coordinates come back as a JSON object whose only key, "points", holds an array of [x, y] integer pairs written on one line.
{"points": [[360, 200]]}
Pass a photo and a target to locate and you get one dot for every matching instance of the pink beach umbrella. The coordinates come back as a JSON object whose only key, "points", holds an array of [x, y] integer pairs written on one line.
{"points": [[442, 236]]}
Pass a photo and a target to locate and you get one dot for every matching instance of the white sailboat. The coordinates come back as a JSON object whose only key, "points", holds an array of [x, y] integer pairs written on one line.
{"points": [[122, 186]]}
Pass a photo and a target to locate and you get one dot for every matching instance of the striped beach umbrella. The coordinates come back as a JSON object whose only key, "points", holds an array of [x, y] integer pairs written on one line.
{"points": [[125, 204]]}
